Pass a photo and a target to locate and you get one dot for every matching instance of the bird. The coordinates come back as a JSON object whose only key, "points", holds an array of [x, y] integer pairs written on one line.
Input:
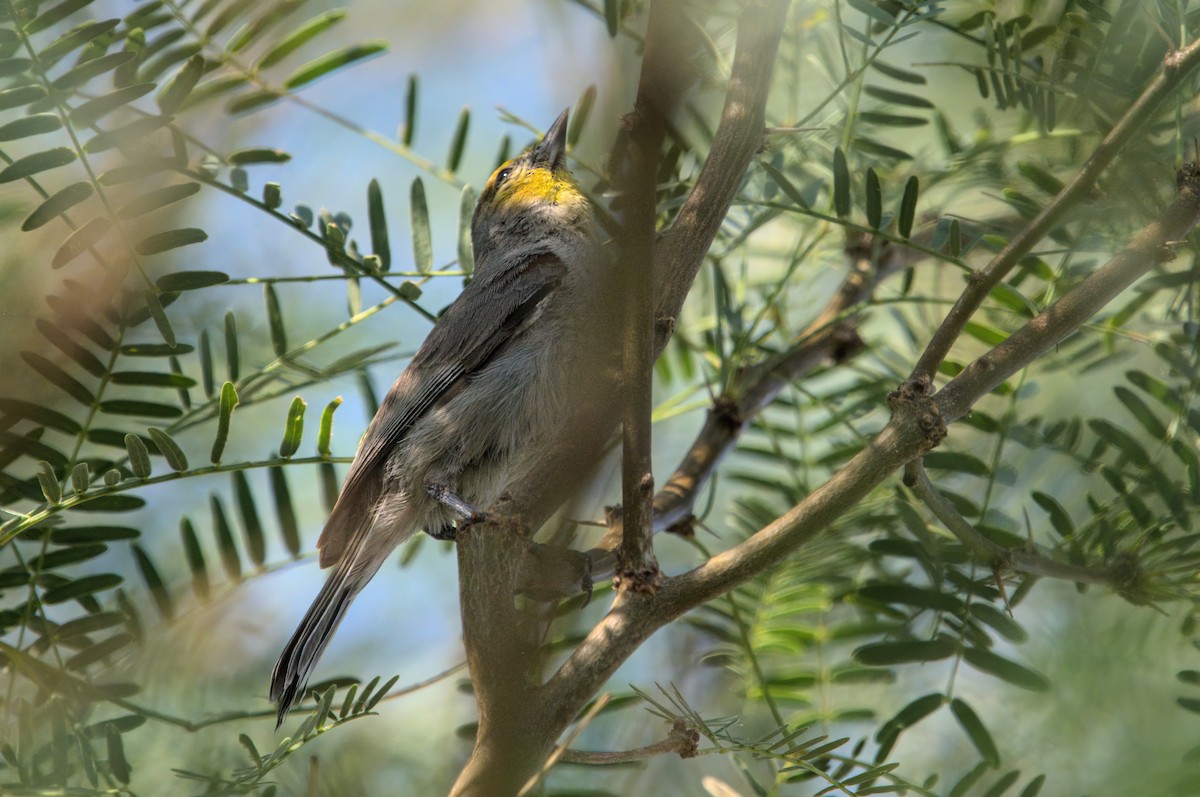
{"points": [[481, 401]]}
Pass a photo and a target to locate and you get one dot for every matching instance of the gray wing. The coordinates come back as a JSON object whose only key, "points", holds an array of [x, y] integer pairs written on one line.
{"points": [[488, 315]]}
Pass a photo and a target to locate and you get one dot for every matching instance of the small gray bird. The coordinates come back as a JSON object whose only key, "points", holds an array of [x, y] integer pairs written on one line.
{"points": [[481, 402]]}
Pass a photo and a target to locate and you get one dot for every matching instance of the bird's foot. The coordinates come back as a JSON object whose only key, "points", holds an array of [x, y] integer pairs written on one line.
{"points": [[467, 514]]}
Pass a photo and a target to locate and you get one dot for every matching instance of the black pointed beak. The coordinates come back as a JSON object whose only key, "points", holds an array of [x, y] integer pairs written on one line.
{"points": [[553, 147]]}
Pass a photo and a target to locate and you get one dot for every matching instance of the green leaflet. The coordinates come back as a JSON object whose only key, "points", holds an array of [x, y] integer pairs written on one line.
{"points": [[874, 200], [300, 36], [229, 400], [55, 14], [841, 183], [78, 75], [139, 456], [289, 527], [190, 280], [176, 90], [32, 125], [275, 321], [422, 238], [93, 111], [56, 205], [410, 112], [169, 449], [81, 587], [325, 432], [232, 358], [908, 207], [294, 428], [195, 559], [37, 163], [172, 239], [252, 155], [256, 542], [975, 730], [230, 559], [377, 217], [458, 142], [154, 582], [331, 62], [1016, 674]]}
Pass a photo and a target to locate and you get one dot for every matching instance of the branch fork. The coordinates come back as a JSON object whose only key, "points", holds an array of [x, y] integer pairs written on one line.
{"points": [[913, 403], [637, 567]]}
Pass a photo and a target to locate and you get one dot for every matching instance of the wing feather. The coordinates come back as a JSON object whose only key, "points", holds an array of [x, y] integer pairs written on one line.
{"points": [[488, 315]]}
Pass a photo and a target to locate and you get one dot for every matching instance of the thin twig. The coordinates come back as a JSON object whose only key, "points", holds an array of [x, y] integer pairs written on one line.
{"points": [[270, 713], [23, 523], [430, 681], [1151, 246], [992, 554], [351, 267], [681, 740], [831, 337]]}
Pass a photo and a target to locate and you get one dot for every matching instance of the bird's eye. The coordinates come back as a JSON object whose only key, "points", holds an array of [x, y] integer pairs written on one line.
{"points": [[502, 175]]}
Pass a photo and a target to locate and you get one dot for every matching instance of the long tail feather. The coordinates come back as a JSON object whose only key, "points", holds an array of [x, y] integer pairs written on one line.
{"points": [[309, 641], [362, 546], [312, 636]]}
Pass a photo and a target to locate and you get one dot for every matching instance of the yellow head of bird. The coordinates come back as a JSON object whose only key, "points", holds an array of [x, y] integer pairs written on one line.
{"points": [[531, 194]]}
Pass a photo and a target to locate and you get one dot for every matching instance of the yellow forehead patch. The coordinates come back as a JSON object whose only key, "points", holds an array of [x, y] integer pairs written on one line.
{"points": [[531, 185], [527, 185]]}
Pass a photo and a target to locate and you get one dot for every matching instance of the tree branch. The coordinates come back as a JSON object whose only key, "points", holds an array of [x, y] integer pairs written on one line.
{"points": [[1176, 67], [997, 556], [519, 720], [656, 99], [680, 250], [561, 749], [682, 740], [1151, 246], [503, 654], [917, 425], [831, 337]]}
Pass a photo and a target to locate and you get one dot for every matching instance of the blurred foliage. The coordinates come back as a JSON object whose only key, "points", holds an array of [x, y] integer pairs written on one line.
{"points": [[1089, 455]]}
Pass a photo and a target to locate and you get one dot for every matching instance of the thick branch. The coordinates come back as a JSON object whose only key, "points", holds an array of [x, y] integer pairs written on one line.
{"points": [[1176, 68], [655, 101], [536, 779], [503, 653], [681, 249]]}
